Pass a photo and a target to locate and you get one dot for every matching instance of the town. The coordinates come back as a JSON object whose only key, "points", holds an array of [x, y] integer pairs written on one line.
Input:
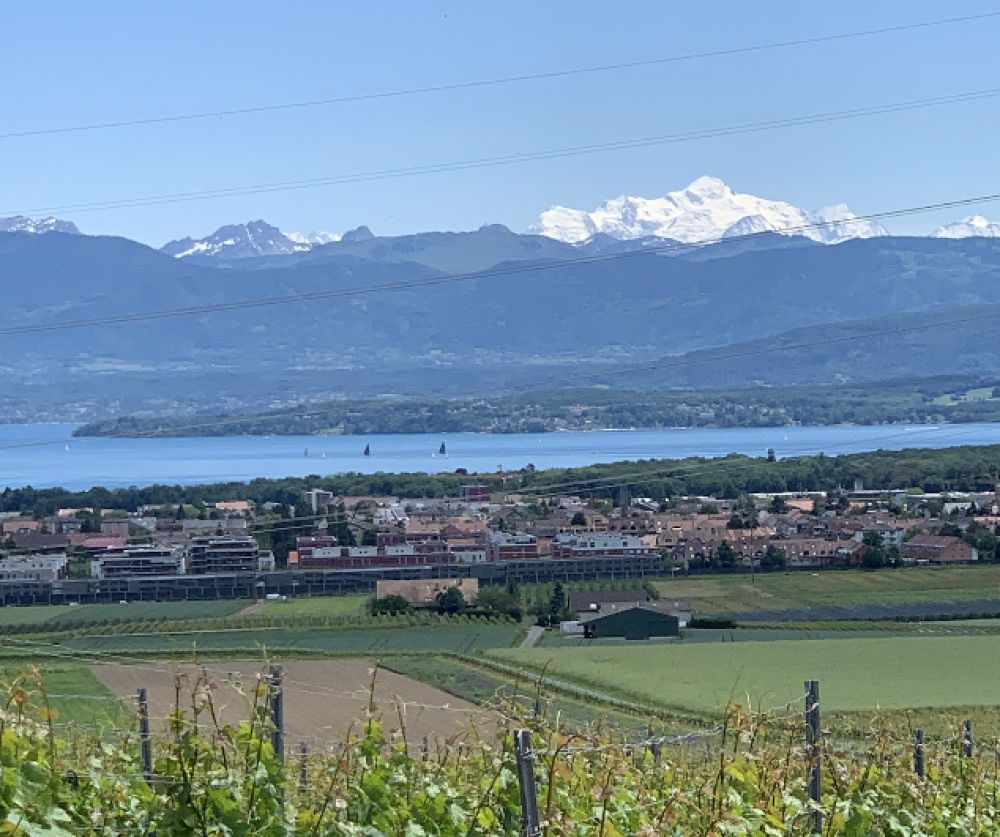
{"points": [[328, 543]]}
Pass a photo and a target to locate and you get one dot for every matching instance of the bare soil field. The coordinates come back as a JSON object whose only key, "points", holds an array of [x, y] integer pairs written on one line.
{"points": [[324, 700]]}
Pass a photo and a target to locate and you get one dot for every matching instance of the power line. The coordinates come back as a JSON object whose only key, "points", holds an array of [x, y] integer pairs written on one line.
{"points": [[449, 279], [513, 159], [494, 82]]}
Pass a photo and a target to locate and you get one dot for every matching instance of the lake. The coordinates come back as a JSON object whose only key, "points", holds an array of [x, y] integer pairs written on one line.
{"points": [[45, 455]]}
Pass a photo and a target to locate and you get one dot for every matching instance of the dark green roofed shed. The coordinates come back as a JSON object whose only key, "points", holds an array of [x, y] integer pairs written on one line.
{"points": [[641, 620]]}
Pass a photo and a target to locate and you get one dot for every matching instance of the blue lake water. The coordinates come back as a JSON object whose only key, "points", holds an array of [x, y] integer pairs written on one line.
{"points": [[46, 455]]}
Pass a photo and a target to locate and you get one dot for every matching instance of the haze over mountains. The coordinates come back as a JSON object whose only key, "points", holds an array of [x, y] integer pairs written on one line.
{"points": [[539, 312]]}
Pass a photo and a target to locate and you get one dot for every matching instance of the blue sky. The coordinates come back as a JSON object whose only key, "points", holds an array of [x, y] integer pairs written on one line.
{"points": [[69, 63]]}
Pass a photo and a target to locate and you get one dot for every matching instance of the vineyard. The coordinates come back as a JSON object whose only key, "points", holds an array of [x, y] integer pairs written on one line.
{"points": [[748, 773]]}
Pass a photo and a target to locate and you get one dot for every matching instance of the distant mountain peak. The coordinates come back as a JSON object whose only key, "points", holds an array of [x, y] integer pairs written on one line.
{"points": [[705, 210], [21, 223], [972, 226], [237, 241], [707, 186], [361, 233]]}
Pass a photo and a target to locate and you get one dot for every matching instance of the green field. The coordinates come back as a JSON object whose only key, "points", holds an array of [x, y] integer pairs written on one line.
{"points": [[52, 616], [461, 638], [890, 673], [315, 606], [75, 696], [780, 591], [478, 684]]}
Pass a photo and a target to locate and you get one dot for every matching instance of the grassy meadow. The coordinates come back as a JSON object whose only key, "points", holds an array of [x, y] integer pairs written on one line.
{"points": [[789, 590], [888, 673]]}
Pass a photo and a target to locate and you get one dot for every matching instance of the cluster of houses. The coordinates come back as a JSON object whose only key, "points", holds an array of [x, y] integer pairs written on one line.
{"points": [[686, 533], [477, 529], [120, 545]]}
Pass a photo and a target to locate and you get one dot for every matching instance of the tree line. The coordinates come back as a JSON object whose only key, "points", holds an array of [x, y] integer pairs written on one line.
{"points": [[965, 468]]}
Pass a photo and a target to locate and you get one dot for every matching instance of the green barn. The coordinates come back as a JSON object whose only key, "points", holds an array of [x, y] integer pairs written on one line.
{"points": [[637, 620]]}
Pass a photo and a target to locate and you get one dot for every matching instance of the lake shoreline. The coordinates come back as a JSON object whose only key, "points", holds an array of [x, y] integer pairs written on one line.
{"points": [[48, 455]]}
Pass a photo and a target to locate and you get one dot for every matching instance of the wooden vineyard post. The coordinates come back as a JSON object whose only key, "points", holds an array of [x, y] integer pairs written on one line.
{"points": [[918, 753], [530, 824], [814, 753], [277, 700], [145, 742], [277, 714], [303, 767]]}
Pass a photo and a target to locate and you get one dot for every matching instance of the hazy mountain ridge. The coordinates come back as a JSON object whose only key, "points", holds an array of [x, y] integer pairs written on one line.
{"points": [[530, 322]]}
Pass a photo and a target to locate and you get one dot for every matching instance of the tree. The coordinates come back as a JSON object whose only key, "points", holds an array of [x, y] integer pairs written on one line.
{"points": [[181, 513], [450, 601], [500, 600], [725, 555], [557, 604], [875, 555], [774, 557], [393, 604], [578, 519], [983, 540], [339, 527], [778, 505]]}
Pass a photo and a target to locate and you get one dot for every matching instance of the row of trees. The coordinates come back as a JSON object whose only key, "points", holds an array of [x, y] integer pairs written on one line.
{"points": [[956, 469], [491, 601]]}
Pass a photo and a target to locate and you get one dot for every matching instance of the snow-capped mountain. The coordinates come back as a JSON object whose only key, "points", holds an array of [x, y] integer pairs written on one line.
{"points": [[313, 239], [21, 223], [974, 226], [706, 210], [237, 241]]}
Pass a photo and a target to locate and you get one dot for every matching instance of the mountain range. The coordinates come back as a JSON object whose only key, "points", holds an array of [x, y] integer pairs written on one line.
{"points": [[528, 310], [707, 210], [23, 224]]}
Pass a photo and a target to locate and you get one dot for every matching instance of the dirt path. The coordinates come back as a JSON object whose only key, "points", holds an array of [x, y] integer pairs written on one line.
{"points": [[252, 609], [323, 699], [535, 633]]}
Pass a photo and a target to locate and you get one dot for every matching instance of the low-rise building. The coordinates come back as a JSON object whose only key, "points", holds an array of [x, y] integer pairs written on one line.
{"points": [[820, 552], [508, 546], [475, 493], [34, 567], [35, 543], [638, 620], [228, 555], [19, 526], [138, 561], [115, 527], [937, 549], [598, 544], [319, 500]]}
